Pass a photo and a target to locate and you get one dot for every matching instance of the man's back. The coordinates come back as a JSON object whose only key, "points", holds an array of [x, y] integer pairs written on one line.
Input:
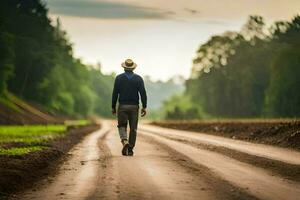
{"points": [[127, 88]]}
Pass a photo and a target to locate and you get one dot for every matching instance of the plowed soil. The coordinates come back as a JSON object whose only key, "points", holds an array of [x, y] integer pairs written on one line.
{"points": [[283, 133]]}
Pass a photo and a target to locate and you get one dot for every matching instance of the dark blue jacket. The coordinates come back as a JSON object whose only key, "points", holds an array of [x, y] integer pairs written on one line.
{"points": [[127, 88]]}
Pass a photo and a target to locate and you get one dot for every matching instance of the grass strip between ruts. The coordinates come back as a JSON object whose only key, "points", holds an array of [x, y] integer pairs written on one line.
{"points": [[21, 150]]}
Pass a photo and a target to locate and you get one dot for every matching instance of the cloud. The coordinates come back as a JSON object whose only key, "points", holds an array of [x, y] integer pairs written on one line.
{"points": [[220, 22], [105, 10], [192, 11]]}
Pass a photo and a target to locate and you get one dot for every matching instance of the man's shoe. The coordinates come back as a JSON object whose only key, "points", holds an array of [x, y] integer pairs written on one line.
{"points": [[125, 149], [130, 152]]}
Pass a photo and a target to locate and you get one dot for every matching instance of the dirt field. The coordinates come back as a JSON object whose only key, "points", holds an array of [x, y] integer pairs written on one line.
{"points": [[170, 164], [284, 133]]}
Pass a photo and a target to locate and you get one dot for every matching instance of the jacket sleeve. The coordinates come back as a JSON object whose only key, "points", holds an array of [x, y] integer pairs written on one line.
{"points": [[143, 93], [115, 94]]}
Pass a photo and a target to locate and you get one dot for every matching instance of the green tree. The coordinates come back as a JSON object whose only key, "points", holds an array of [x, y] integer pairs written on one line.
{"points": [[6, 60], [40, 58], [231, 72], [283, 97]]}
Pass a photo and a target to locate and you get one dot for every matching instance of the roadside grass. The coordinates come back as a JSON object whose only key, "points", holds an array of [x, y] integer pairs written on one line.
{"points": [[32, 138], [6, 99], [20, 140], [31, 133], [21, 150], [81, 122]]}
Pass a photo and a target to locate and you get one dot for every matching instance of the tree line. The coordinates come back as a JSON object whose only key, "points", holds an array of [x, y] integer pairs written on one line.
{"points": [[251, 73], [37, 63]]}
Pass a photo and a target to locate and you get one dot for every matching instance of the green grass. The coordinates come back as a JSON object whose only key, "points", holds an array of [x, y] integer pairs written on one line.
{"points": [[81, 122], [32, 137], [31, 133], [20, 150], [6, 100]]}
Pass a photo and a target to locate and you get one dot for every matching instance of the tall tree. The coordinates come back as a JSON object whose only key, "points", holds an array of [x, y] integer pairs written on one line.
{"points": [[283, 96], [37, 63], [251, 73]]}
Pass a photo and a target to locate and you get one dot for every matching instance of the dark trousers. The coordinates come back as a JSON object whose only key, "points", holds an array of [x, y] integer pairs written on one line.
{"points": [[128, 114]]}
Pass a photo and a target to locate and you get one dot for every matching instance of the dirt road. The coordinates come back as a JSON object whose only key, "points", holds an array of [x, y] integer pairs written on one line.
{"points": [[170, 164]]}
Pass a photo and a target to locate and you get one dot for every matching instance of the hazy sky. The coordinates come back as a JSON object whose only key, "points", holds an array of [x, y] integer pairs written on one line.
{"points": [[162, 36]]}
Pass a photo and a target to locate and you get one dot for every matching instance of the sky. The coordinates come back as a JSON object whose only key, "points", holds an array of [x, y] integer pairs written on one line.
{"points": [[161, 36]]}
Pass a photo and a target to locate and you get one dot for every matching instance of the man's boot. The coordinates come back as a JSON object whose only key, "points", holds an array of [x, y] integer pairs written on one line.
{"points": [[130, 151], [125, 147]]}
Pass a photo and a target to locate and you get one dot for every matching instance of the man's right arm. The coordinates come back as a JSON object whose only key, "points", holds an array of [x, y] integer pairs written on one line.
{"points": [[115, 95], [143, 94]]}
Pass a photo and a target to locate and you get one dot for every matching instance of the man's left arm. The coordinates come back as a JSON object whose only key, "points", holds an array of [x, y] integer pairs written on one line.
{"points": [[143, 94]]}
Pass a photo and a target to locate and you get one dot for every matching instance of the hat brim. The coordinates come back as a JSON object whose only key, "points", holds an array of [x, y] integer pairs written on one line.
{"points": [[129, 67]]}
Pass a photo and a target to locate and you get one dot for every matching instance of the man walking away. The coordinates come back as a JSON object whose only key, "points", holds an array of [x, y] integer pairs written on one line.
{"points": [[127, 88]]}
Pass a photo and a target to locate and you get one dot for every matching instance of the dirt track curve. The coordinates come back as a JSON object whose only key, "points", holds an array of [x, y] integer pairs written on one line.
{"points": [[168, 164]]}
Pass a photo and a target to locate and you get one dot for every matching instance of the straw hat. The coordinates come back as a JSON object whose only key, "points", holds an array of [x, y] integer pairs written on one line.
{"points": [[129, 64]]}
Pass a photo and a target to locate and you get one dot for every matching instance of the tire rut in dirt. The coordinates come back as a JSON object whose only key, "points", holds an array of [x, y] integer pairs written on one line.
{"points": [[109, 187], [154, 175], [222, 188], [105, 160], [278, 168]]}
